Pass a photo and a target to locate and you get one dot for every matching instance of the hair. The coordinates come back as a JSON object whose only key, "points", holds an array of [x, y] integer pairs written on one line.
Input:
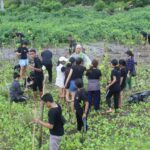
{"points": [[114, 62], [16, 75], [79, 83], [122, 62], [33, 50], [47, 98], [72, 60], [68, 65], [95, 63], [79, 61], [130, 53], [24, 43]]}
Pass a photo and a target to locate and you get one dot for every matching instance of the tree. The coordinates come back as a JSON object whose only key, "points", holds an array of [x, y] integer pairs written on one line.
{"points": [[2, 5]]}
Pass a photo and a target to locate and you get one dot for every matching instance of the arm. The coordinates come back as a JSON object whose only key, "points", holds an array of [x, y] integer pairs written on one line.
{"points": [[69, 76], [35, 69], [44, 124], [112, 82], [86, 109], [121, 80]]}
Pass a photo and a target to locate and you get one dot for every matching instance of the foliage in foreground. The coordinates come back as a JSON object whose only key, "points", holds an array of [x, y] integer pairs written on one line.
{"points": [[127, 129]]}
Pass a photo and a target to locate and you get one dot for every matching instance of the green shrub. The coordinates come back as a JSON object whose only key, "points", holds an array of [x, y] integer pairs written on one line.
{"points": [[99, 5], [49, 6]]}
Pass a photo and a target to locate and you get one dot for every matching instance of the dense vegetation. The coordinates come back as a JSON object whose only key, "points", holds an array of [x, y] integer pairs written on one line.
{"points": [[123, 27], [50, 23]]}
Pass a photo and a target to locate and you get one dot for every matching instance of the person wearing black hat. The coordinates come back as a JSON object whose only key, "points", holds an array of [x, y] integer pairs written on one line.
{"points": [[113, 88]]}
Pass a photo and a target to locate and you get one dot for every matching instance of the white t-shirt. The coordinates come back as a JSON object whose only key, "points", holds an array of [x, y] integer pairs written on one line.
{"points": [[60, 76]]}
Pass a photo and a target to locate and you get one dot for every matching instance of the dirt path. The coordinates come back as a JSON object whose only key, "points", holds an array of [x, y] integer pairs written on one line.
{"points": [[94, 50]]}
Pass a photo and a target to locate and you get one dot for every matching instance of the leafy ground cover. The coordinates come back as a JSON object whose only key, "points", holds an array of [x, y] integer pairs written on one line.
{"points": [[128, 129], [84, 23]]}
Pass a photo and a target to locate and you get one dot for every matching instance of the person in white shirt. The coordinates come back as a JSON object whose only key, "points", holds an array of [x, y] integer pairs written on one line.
{"points": [[60, 76]]}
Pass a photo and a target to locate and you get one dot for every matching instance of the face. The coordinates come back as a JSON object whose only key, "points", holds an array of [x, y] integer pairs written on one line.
{"points": [[78, 50], [32, 55], [48, 104]]}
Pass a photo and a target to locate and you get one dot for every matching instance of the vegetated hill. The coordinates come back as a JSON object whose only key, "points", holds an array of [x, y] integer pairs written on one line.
{"points": [[50, 24]]}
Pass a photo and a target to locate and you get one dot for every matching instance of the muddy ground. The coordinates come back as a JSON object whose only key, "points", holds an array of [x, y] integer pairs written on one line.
{"points": [[93, 50]]}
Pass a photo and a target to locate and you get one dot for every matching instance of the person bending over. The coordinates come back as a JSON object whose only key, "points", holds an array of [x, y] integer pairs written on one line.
{"points": [[55, 121], [81, 104], [16, 94]]}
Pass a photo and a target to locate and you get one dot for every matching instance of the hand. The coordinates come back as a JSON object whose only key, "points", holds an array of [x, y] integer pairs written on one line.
{"points": [[84, 115], [31, 67], [36, 120], [107, 87]]}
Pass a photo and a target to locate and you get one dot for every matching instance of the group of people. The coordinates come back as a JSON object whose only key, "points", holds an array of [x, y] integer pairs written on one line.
{"points": [[70, 74]]}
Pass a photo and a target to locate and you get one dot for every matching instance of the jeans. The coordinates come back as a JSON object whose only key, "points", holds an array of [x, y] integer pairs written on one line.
{"points": [[94, 96]]}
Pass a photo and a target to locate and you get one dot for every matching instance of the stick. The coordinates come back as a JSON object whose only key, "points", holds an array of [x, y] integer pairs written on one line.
{"points": [[41, 111], [33, 134]]}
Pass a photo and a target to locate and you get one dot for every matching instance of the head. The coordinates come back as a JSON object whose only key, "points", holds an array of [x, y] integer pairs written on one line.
{"points": [[79, 83], [32, 53], [78, 49], [95, 63], [62, 60], [122, 63], [70, 37], [79, 61], [129, 53], [114, 63], [16, 76], [72, 60], [24, 43], [47, 99]]}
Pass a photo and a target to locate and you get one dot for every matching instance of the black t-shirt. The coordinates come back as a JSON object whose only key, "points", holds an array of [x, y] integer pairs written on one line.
{"points": [[93, 74], [116, 86], [46, 57], [55, 118], [23, 51], [38, 64], [79, 101], [78, 72], [124, 75]]}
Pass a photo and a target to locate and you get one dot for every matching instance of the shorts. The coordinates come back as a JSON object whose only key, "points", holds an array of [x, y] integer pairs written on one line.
{"points": [[72, 86], [38, 84], [23, 62]]}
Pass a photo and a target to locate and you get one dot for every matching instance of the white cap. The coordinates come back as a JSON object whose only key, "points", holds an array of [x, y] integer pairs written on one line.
{"points": [[63, 58]]}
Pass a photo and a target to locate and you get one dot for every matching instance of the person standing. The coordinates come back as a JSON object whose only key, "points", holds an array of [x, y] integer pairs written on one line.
{"points": [[76, 72], [81, 104], [94, 76], [55, 121], [72, 44], [123, 71], [47, 62], [36, 68], [79, 54], [130, 65], [113, 88], [60, 76], [22, 53]]}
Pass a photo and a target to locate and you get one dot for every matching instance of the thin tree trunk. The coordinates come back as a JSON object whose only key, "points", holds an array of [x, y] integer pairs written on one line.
{"points": [[2, 5]]}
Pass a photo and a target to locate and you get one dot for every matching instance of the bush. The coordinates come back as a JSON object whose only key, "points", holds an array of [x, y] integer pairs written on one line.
{"points": [[49, 6], [100, 5]]}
